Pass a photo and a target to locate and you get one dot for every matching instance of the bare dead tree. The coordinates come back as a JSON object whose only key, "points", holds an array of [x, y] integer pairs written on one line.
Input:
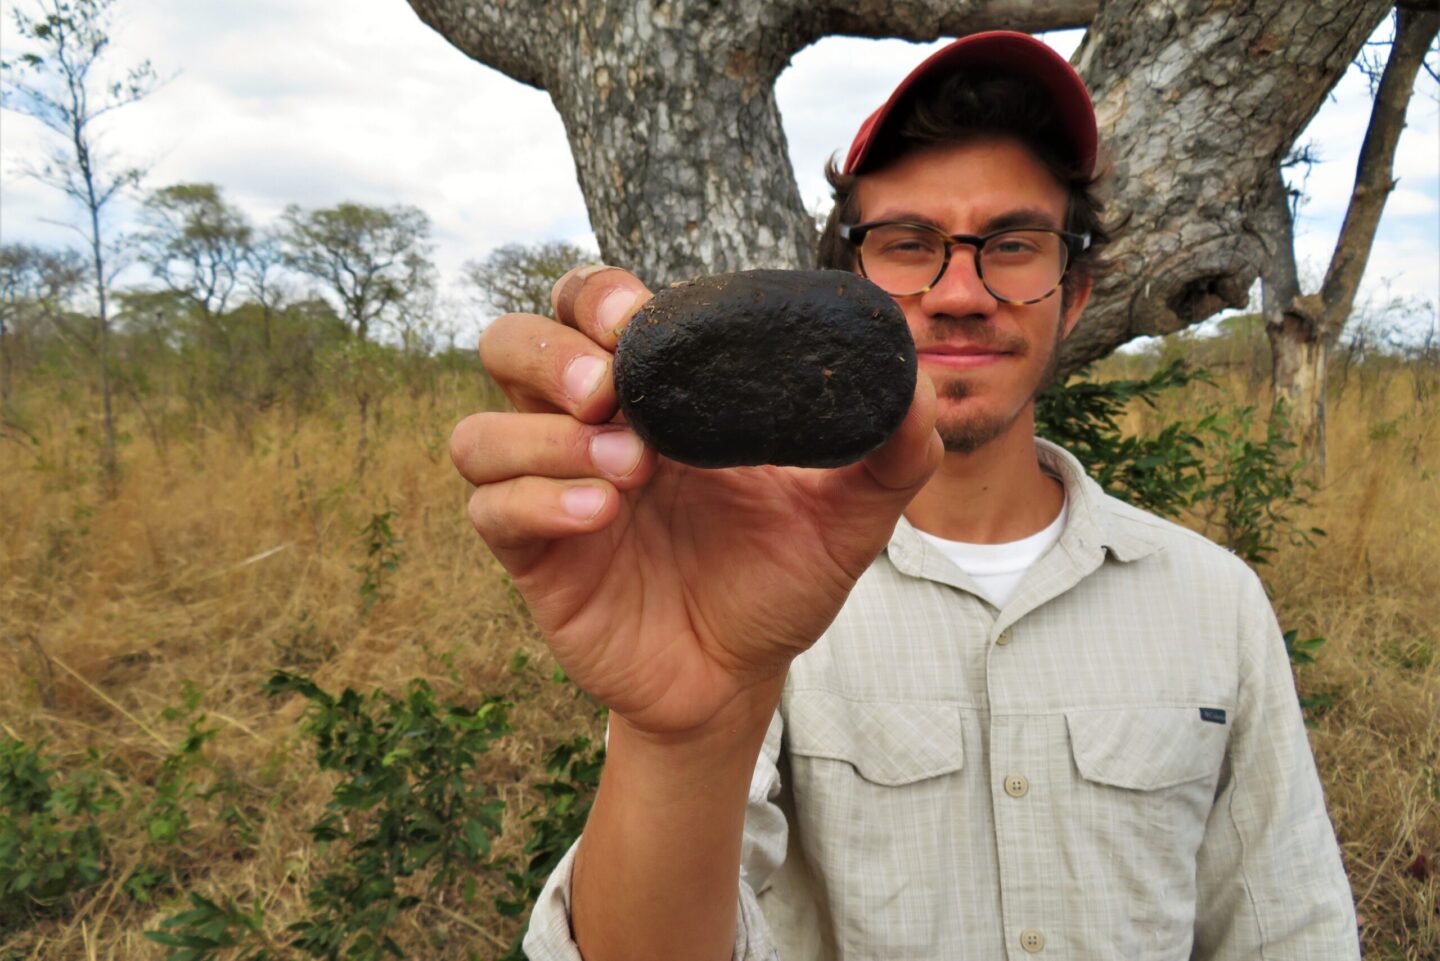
{"points": [[56, 80]]}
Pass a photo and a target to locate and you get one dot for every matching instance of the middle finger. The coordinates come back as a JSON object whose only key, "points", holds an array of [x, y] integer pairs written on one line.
{"points": [[492, 447]]}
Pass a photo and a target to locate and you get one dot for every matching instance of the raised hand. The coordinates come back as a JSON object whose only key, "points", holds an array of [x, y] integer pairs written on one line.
{"points": [[665, 591]]}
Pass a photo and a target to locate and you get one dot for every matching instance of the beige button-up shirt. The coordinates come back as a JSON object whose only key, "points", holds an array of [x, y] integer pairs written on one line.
{"points": [[1112, 766]]}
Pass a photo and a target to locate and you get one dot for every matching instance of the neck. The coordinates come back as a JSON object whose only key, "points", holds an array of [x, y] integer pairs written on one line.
{"points": [[992, 495]]}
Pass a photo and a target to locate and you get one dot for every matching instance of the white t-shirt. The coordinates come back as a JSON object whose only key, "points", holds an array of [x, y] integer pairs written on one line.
{"points": [[997, 569]]}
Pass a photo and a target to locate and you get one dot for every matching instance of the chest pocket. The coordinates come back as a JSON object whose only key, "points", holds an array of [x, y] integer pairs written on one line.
{"points": [[878, 816], [1147, 749], [888, 743], [1146, 784]]}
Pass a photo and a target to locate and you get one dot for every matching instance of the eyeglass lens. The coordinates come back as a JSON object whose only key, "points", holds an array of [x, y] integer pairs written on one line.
{"points": [[1017, 265]]}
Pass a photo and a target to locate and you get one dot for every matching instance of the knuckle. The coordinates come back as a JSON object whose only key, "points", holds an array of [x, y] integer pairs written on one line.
{"points": [[498, 337], [564, 290]]}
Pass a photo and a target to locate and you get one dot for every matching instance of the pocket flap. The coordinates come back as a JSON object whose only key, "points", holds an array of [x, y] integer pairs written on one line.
{"points": [[887, 742], [1146, 749]]}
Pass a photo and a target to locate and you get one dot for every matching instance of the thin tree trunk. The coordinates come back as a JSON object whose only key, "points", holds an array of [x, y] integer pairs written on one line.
{"points": [[1298, 354], [1300, 362], [109, 455], [6, 361], [1304, 329]]}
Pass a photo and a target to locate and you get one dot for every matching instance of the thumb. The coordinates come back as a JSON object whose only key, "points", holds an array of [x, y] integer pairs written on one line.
{"points": [[904, 463], [867, 498]]}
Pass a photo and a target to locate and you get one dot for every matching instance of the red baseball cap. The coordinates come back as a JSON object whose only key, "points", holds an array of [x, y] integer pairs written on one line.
{"points": [[1018, 53]]}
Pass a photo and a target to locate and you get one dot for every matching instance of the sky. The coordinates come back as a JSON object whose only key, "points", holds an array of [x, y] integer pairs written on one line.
{"points": [[295, 101]]}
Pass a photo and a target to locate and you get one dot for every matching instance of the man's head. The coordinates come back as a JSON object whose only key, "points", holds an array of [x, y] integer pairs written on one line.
{"points": [[995, 131]]}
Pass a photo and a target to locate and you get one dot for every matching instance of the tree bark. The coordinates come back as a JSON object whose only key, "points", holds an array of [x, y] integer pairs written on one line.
{"points": [[1304, 328], [670, 112], [1374, 173], [1298, 357], [1199, 102], [670, 109]]}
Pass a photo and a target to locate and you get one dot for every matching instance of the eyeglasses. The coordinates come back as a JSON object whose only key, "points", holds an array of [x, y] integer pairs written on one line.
{"points": [[1018, 266]]}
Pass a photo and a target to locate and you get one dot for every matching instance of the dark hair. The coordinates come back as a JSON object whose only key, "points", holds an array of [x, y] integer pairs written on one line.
{"points": [[963, 107]]}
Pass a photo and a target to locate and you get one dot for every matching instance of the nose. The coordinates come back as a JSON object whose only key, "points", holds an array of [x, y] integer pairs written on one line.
{"points": [[959, 292]]}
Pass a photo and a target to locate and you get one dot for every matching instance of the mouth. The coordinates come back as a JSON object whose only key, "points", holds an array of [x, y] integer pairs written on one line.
{"points": [[960, 356]]}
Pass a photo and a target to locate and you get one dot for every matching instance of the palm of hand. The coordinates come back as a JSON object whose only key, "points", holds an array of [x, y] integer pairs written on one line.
{"points": [[707, 582]]}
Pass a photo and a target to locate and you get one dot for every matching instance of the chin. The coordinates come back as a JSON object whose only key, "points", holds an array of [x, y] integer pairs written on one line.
{"points": [[965, 435]]}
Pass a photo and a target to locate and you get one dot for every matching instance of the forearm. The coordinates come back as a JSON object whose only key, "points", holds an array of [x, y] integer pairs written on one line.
{"points": [[658, 868]]}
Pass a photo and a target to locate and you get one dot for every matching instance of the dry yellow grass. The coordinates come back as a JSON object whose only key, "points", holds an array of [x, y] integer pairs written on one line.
{"points": [[231, 555]]}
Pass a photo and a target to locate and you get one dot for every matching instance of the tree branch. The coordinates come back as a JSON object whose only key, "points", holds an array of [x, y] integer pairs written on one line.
{"points": [[506, 36], [1374, 172], [930, 19]]}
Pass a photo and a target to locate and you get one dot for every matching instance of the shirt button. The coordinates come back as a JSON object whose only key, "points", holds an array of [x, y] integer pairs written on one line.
{"points": [[1017, 785], [1004, 637], [1032, 941]]}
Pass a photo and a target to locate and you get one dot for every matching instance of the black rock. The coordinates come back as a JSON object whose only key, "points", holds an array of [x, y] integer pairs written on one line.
{"points": [[809, 368]]}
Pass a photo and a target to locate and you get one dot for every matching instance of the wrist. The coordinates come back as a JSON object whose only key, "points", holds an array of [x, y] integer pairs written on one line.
{"points": [[743, 718]]}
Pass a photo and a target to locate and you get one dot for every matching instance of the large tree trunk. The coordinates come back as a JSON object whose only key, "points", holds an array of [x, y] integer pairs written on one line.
{"points": [[670, 111]]}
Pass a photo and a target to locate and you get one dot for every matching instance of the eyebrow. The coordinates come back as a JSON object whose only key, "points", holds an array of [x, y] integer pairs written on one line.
{"points": [[1019, 217]]}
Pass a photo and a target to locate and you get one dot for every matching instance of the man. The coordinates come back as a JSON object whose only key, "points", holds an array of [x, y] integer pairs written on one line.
{"points": [[1038, 723]]}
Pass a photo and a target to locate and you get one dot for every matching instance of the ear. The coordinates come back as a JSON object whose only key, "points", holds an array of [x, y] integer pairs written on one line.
{"points": [[1075, 300]]}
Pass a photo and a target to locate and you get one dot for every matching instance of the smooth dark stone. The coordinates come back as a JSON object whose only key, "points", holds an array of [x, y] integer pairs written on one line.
{"points": [[808, 368]]}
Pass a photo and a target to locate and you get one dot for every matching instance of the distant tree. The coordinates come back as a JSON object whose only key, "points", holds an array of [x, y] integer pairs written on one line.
{"points": [[1304, 328], [260, 277], [36, 287], [56, 81], [195, 244], [517, 278], [374, 260]]}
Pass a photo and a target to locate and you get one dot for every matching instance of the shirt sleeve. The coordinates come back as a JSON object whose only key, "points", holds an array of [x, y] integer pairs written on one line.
{"points": [[1271, 884], [549, 937]]}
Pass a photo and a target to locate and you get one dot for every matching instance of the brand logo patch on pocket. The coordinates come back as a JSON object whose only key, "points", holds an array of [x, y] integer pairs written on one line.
{"points": [[1215, 715]]}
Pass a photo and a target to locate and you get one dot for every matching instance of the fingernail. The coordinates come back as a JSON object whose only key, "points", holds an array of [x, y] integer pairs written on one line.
{"points": [[616, 452], [583, 503], [614, 307], [583, 376]]}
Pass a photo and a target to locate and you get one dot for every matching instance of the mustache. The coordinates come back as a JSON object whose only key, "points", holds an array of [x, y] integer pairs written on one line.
{"points": [[977, 331]]}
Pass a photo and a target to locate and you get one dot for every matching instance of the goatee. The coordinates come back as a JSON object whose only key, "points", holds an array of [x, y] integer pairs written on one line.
{"points": [[966, 435]]}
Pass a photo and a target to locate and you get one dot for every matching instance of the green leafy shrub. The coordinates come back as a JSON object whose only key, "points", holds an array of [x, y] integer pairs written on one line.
{"points": [[406, 803], [1160, 473], [207, 928], [1244, 491], [574, 768], [51, 842], [382, 558]]}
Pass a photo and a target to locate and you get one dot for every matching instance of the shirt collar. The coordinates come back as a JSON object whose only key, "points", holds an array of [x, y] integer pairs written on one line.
{"points": [[1092, 530]]}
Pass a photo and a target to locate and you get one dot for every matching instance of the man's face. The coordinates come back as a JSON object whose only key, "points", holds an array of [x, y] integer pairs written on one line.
{"points": [[986, 359]]}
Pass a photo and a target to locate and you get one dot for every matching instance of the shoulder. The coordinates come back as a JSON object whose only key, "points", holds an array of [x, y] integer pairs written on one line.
{"points": [[1171, 545], [1143, 543]]}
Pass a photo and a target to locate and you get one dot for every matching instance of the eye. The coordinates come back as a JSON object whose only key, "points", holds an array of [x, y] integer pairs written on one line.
{"points": [[910, 244], [899, 241], [1012, 245]]}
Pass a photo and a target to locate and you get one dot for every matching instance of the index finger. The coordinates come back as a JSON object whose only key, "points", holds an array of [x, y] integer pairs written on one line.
{"points": [[598, 301]]}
